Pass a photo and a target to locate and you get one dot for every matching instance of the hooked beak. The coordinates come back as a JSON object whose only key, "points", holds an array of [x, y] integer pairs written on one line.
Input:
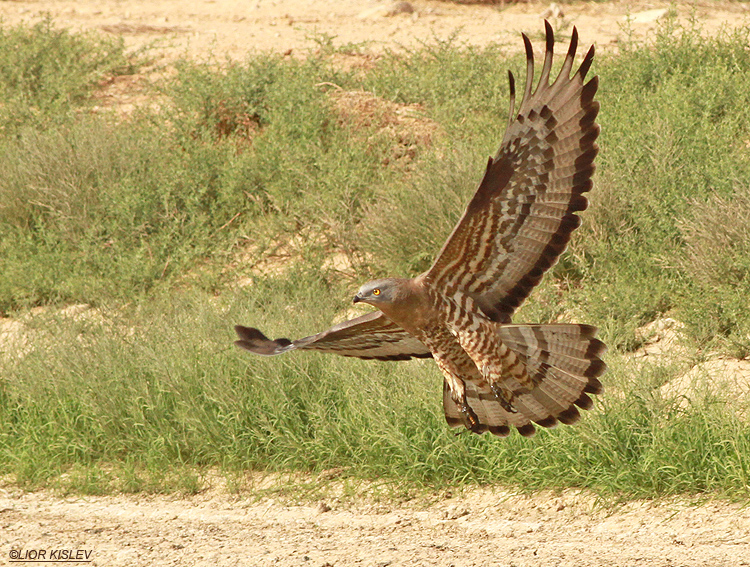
{"points": [[357, 299]]}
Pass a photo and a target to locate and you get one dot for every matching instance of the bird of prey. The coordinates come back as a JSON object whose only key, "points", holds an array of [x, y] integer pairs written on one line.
{"points": [[498, 374]]}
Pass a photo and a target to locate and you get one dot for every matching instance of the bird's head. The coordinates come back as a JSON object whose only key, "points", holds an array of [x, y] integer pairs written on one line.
{"points": [[379, 292]]}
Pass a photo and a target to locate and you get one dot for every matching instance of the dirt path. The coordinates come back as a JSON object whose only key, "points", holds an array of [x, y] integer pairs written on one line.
{"points": [[477, 529], [480, 528]]}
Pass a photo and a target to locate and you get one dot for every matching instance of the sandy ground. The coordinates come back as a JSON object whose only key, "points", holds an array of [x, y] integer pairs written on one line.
{"points": [[479, 527], [234, 27]]}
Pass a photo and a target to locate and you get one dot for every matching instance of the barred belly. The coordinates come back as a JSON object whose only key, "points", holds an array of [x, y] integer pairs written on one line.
{"points": [[497, 365]]}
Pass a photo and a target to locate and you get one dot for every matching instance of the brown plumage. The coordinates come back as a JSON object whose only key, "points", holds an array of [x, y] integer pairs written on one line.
{"points": [[498, 375]]}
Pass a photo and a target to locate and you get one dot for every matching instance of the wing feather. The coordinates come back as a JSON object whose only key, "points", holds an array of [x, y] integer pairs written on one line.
{"points": [[369, 336], [522, 215]]}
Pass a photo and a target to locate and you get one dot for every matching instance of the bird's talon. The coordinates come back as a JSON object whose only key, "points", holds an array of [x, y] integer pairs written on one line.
{"points": [[471, 421]]}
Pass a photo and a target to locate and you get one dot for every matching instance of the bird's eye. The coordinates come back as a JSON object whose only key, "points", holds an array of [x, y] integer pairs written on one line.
{"points": [[376, 291]]}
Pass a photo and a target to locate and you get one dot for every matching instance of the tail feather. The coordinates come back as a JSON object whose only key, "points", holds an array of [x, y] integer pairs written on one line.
{"points": [[564, 364], [572, 351]]}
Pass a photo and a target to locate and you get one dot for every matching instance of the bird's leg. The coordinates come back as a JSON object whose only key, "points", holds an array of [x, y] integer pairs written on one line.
{"points": [[494, 371], [455, 364], [502, 397], [470, 419], [457, 389], [458, 394], [494, 362]]}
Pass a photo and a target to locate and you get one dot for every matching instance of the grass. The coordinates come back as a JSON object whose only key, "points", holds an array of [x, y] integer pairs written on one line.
{"points": [[46, 73], [152, 220]]}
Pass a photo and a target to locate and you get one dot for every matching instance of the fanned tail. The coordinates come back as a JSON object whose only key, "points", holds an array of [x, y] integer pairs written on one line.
{"points": [[563, 363]]}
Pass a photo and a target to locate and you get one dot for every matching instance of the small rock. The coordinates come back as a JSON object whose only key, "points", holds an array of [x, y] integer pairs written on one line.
{"points": [[393, 9], [400, 7], [455, 512], [330, 474]]}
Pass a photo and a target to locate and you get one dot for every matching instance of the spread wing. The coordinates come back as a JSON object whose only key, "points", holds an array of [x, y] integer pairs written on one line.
{"points": [[368, 336], [523, 213]]}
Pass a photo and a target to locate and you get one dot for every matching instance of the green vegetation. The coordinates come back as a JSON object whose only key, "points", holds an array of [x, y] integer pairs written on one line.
{"points": [[47, 73], [154, 218]]}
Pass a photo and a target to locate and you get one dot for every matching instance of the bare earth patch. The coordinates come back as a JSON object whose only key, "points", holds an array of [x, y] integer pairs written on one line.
{"points": [[234, 27], [480, 527], [403, 126]]}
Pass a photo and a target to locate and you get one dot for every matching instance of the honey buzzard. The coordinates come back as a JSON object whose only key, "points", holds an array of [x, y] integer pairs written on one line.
{"points": [[498, 375]]}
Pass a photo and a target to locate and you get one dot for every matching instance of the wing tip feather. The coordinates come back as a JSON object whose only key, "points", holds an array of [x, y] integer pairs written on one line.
{"points": [[573, 47], [549, 37], [528, 47], [255, 341], [586, 63]]}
